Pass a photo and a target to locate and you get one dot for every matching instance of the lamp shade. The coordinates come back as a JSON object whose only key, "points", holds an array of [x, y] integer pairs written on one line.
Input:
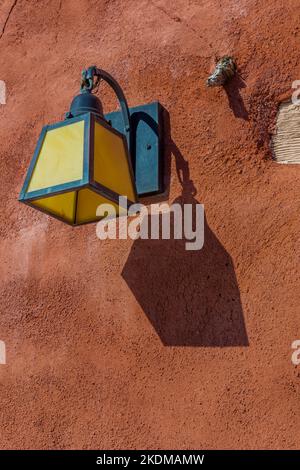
{"points": [[79, 164]]}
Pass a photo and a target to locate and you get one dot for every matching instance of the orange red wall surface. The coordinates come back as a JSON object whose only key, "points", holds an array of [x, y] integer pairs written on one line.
{"points": [[140, 344]]}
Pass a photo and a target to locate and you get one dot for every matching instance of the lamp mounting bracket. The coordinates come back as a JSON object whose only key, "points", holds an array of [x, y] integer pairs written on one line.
{"points": [[90, 79], [142, 127]]}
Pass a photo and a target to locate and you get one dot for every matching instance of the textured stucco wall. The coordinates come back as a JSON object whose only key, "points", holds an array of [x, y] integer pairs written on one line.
{"points": [[122, 344]]}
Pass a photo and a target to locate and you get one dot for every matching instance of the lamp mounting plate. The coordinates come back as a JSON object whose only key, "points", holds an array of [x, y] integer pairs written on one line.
{"points": [[146, 145]]}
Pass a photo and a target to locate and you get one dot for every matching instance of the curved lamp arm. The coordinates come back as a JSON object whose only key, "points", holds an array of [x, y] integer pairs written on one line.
{"points": [[88, 84]]}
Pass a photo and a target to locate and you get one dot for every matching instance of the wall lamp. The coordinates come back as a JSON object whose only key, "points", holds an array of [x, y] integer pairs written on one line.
{"points": [[90, 158]]}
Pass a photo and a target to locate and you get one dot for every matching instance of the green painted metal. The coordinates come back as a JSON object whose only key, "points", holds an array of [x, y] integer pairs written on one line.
{"points": [[146, 129]]}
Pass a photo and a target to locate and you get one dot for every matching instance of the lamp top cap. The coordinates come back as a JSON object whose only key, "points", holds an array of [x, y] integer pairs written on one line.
{"points": [[86, 102]]}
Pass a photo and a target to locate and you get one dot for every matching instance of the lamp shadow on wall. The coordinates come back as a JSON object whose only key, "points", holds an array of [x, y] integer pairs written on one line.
{"points": [[191, 298]]}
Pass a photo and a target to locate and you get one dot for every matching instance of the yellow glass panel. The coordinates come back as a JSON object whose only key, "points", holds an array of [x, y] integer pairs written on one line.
{"points": [[110, 163], [87, 203], [62, 205], [61, 157]]}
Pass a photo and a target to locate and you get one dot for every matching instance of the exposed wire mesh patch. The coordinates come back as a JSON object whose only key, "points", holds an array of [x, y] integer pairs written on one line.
{"points": [[286, 140]]}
